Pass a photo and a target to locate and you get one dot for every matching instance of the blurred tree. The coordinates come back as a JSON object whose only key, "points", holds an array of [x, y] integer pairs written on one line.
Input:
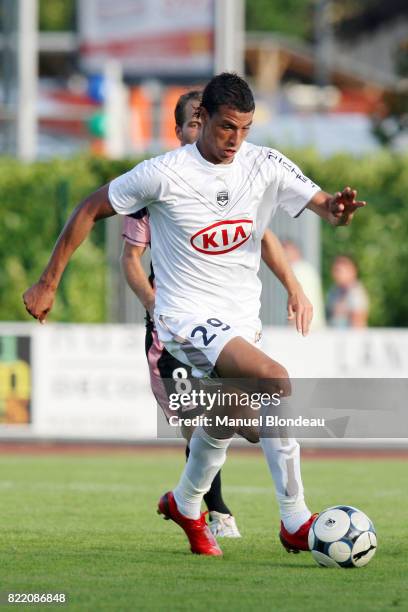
{"points": [[290, 17], [32, 209], [350, 19], [34, 202], [57, 15], [356, 17], [376, 239], [295, 17]]}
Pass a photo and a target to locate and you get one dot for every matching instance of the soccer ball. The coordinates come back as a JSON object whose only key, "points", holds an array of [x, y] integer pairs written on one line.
{"points": [[342, 536]]}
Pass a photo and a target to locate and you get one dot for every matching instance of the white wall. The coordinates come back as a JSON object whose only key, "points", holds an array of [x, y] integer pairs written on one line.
{"points": [[92, 382]]}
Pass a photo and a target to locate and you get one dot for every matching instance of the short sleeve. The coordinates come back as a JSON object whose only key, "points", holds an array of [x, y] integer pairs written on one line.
{"points": [[295, 190], [137, 230], [358, 299], [136, 189]]}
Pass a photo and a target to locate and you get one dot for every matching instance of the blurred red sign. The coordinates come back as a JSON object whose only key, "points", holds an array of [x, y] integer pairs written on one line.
{"points": [[149, 37]]}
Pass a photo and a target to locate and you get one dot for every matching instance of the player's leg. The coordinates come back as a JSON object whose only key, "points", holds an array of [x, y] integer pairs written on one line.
{"points": [[183, 504], [164, 367], [222, 521], [208, 447], [213, 498], [239, 358], [199, 535], [169, 368]]}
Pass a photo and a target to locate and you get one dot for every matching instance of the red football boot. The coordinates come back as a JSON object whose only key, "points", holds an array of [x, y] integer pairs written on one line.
{"points": [[295, 542], [202, 541]]}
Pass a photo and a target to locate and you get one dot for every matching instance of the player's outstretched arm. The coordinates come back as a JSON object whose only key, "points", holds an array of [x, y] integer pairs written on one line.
{"points": [[299, 307], [39, 298], [337, 209], [136, 277]]}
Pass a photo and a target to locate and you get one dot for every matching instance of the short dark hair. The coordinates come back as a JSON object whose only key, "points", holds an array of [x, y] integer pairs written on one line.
{"points": [[179, 111], [227, 89]]}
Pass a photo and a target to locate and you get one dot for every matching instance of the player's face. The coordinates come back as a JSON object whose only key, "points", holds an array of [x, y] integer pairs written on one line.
{"points": [[344, 272], [223, 133], [190, 130]]}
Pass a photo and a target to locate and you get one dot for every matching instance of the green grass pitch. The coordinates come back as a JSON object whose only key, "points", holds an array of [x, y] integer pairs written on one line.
{"points": [[87, 526]]}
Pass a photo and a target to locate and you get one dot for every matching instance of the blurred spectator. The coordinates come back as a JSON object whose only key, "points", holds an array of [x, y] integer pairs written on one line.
{"points": [[347, 300], [310, 280]]}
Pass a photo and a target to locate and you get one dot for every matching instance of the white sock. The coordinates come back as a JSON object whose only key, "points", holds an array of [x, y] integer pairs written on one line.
{"points": [[207, 456], [283, 457]]}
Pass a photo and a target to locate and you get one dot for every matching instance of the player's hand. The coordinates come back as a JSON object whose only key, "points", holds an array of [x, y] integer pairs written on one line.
{"points": [[343, 205], [38, 300], [300, 311]]}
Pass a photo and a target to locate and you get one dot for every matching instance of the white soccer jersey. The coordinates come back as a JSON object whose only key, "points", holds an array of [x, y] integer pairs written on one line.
{"points": [[207, 224]]}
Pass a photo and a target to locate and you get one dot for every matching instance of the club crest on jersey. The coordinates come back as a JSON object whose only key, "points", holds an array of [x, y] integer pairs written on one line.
{"points": [[222, 237], [222, 198]]}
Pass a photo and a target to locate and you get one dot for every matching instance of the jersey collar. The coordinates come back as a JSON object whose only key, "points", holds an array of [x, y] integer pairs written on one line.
{"points": [[214, 167]]}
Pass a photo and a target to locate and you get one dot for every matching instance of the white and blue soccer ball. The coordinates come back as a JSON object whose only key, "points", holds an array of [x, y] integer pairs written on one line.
{"points": [[342, 536]]}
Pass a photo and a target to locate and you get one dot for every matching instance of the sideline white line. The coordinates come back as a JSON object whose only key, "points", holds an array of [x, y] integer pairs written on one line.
{"points": [[92, 487]]}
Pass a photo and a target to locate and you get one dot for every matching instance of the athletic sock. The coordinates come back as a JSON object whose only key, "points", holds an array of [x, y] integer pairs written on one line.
{"points": [[283, 458], [207, 456], [213, 499]]}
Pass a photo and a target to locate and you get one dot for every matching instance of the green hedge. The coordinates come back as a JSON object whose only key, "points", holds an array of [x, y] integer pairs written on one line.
{"points": [[36, 198], [377, 236]]}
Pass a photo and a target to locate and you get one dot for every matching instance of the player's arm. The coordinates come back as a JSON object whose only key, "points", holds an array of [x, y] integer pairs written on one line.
{"points": [[359, 318], [358, 308], [39, 298], [299, 307], [131, 260], [337, 209]]}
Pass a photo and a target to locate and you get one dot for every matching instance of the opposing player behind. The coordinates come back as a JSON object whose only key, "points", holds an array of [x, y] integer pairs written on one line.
{"points": [[205, 202]]}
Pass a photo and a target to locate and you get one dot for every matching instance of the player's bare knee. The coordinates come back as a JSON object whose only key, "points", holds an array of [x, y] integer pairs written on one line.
{"points": [[272, 370], [285, 389], [251, 434], [275, 378]]}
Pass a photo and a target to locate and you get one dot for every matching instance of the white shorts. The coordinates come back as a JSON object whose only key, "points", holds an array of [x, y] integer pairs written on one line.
{"points": [[197, 341]]}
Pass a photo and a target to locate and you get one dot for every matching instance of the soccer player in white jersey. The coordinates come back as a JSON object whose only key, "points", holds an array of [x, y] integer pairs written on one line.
{"points": [[207, 221], [163, 367]]}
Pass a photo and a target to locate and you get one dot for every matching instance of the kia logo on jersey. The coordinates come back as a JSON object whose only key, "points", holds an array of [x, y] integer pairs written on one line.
{"points": [[222, 198], [222, 237]]}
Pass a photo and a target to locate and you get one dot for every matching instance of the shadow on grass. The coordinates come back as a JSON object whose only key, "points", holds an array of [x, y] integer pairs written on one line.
{"points": [[229, 558]]}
